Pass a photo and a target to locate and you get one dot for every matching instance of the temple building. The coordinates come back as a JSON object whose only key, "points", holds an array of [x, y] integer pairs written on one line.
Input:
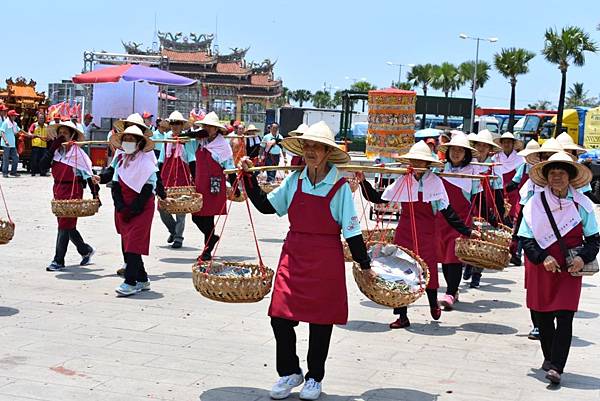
{"points": [[227, 83]]}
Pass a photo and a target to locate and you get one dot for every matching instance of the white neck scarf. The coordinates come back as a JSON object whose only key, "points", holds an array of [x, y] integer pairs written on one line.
{"points": [[219, 148], [508, 163], [466, 184], [172, 150], [528, 188], [136, 169], [74, 157], [564, 211], [406, 189]]}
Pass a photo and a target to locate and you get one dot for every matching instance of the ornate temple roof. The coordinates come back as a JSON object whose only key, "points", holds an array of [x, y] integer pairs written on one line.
{"points": [[22, 89], [200, 57], [234, 68]]}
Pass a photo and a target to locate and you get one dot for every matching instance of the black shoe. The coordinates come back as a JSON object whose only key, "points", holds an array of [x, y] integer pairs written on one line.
{"points": [[534, 334], [546, 366], [15, 174], [176, 245], [467, 273], [33, 174], [44, 175], [171, 239], [86, 259], [475, 279], [515, 260]]}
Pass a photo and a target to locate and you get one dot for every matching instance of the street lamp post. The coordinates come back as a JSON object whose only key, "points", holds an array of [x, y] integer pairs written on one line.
{"points": [[399, 69], [474, 88]]}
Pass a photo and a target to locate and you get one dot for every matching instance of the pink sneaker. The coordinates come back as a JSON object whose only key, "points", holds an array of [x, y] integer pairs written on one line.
{"points": [[447, 302]]}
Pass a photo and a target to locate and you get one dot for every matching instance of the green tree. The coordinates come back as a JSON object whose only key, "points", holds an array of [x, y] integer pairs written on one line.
{"points": [[541, 105], [337, 99], [301, 96], [577, 96], [421, 76], [447, 79], [362, 86], [321, 99], [283, 99], [467, 69], [565, 48], [403, 85], [511, 62]]}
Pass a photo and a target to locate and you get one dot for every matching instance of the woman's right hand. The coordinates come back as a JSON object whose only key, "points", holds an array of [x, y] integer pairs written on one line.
{"points": [[551, 265], [245, 164]]}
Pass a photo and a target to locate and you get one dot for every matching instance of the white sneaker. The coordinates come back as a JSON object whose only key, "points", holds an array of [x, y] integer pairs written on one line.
{"points": [[311, 390], [284, 386]]}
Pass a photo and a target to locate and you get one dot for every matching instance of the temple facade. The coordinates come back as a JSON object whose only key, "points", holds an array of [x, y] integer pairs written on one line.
{"points": [[227, 84]]}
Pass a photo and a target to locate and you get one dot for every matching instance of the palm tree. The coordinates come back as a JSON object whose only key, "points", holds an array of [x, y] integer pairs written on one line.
{"points": [[421, 76], [337, 99], [564, 48], [577, 96], [301, 96], [511, 62], [321, 99], [403, 85], [541, 105], [467, 69], [447, 79], [362, 86]]}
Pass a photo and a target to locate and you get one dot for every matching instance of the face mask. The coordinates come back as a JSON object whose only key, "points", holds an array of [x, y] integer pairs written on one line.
{"points": [[129, 147]]}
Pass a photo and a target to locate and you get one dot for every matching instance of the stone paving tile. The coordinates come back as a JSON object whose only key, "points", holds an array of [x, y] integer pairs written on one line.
{"points": [[60, 334]]}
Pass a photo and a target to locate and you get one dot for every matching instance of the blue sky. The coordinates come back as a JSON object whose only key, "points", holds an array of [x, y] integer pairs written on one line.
{"points": [[313, 41]]}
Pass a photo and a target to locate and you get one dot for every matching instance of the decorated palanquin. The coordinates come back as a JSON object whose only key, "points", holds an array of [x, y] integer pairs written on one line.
{"points": [[391, 122]]}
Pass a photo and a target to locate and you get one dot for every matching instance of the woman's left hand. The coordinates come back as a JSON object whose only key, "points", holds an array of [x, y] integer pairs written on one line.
{"points": [[577, 265], [370, 273], [96, 179]]}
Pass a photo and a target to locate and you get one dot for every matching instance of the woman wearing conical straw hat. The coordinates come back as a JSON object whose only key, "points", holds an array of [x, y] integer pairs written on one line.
{"points": [[560, 235], [213, 154], [135, 183], [489, 199], [422, 196], [458, 155], [509, 162], [310, 286], [253, 141], [533, 155], [71, 168], [173, 163]]}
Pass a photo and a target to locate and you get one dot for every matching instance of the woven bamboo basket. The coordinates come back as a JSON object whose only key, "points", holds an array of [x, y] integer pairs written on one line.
{"points": [[232, 289], [268, 186], [7, 231], [381, 295], [182, 204], [501, 236], [385, 235], [482, 253], [173, 192], [75, 207]]}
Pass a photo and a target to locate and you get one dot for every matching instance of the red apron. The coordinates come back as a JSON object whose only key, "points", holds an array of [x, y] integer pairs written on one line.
{"points": [[175, 172], [207, 167], [65, 188], [310, 285], [448, 235], [547, 291], [297, 161], [426, 233], [135, 233], [513, 197]]}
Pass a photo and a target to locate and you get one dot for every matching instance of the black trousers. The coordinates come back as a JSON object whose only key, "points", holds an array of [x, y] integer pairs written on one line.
{"points": [[452, 275], [555, 340], [431, 298], [134, 269], [36, 156], [532, 315], [318, 348], [252, 151], [62, 243], [206, 224]]}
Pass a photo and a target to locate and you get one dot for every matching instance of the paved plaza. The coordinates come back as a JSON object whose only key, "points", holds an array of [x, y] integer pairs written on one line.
{"points": [[66, 336]]}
